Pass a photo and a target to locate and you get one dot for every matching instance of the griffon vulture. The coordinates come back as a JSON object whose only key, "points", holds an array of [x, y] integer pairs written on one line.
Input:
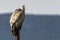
{"points": [[16, 20]]}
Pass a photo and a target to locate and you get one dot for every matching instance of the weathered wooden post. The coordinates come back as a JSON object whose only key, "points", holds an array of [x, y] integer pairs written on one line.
{"points": [[17, 37], [16, 21]]}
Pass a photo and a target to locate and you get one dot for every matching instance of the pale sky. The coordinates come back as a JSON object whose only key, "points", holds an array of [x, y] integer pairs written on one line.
{"points": [[32, 6]]}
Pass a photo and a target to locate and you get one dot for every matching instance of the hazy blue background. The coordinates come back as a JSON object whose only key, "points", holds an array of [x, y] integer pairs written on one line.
{"points": [[35, 27], [42, 20]]}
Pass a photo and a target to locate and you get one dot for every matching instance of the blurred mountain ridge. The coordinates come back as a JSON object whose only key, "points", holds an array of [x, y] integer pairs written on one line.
{"points": [[35, 27]]}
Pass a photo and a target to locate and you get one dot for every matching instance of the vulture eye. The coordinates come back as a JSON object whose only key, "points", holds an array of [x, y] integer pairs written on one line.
{"points": [[20, 9]]}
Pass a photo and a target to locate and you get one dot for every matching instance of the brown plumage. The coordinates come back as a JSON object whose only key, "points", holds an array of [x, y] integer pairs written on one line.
{"points": [[16, 20]]}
